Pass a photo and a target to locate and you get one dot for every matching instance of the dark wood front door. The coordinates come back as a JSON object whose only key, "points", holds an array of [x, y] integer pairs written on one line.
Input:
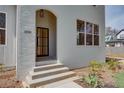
{"points": [[42, 42]]}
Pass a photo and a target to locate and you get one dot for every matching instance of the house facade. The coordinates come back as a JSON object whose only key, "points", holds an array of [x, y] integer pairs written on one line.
{"points": [[116, 40], [45, 34]]}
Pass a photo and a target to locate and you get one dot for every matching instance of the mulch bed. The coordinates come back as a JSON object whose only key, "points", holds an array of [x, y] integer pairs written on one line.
{"points": [[107, 76], [8, 80], [78, 81]]}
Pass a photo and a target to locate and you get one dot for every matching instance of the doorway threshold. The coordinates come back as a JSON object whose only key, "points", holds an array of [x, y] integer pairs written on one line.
{"points": [[45, 61]]}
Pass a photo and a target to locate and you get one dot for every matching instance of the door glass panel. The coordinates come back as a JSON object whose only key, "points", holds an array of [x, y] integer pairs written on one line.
{"points": [[39, 41], [42, 41], [0, 38], [38, 51], [38, 32], [45, 50], [45, 33]]}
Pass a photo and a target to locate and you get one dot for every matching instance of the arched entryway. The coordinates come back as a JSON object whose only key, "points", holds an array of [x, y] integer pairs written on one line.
{"points": [[45, 35]]}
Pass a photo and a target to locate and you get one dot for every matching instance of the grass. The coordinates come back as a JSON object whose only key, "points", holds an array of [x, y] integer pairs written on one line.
{"points": [[119, 80]]}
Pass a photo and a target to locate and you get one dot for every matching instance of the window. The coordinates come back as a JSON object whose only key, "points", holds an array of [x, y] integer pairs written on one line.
{"points": [[81, 32], [87, 32], [2, 27]]}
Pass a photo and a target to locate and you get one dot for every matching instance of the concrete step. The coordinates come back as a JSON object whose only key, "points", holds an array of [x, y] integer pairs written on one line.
{"points": [[45, 73], [40, 63], [49, 79], [47, 67]]}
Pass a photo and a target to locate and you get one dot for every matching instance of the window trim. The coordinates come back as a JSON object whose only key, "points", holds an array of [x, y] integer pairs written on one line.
{"points": [[4, 29]]}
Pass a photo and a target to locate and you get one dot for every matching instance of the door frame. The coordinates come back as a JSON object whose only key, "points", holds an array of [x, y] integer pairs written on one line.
{"points": [[47, 42]]}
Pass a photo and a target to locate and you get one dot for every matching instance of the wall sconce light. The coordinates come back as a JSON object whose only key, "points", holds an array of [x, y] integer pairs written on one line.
{"points": [[94, 5], [41, 13]]}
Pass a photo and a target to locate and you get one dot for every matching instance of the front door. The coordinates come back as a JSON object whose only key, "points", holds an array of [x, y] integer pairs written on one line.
{"points": [[42, 42]]}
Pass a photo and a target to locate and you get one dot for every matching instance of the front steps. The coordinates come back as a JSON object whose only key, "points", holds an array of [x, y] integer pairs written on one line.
{"points": [[46, 62], [46, 74]]}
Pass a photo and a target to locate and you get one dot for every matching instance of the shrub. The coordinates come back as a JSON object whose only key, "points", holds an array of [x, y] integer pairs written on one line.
{"points": [[95, 66], [92, 80], [113, 65]]}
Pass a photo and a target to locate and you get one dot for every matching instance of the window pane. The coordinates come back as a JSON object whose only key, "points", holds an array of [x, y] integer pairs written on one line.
{"points": [[80, 39], [2, 36], [88, 27], [2, 20], [96, 40], [96, 29], [88, 39], [80, 26]]}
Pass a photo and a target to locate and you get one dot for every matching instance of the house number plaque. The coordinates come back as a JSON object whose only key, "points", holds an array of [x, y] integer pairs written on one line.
{"points": [[27, 32]]}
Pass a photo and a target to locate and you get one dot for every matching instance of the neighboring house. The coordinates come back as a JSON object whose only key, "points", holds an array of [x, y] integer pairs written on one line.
{"points": [[44, 34], [116, 40]]}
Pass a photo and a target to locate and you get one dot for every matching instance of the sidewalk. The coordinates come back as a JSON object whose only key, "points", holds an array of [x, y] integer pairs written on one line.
{"points": [[68, 83]]}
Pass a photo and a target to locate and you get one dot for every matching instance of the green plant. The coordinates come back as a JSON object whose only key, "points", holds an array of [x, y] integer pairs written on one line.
{"points": [[1, 67], [95, 66], [92, 80], [113, 65]]}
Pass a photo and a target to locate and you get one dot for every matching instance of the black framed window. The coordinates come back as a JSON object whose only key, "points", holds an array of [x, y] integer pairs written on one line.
{"points": [[2, 28]]}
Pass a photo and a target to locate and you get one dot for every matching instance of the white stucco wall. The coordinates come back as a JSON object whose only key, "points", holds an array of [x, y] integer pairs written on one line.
{"points": [[7, 51], [68, 52]]}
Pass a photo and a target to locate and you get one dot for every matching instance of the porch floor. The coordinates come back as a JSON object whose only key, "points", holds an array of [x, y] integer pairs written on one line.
{"points": [[41, 59], [45, 60]]}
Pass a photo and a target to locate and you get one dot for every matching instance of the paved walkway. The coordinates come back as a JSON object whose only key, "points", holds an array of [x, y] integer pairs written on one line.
{"points": [[68, 83]]}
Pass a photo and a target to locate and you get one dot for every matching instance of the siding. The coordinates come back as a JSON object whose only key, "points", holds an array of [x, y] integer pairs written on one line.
{"points": [[7, 51]]}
